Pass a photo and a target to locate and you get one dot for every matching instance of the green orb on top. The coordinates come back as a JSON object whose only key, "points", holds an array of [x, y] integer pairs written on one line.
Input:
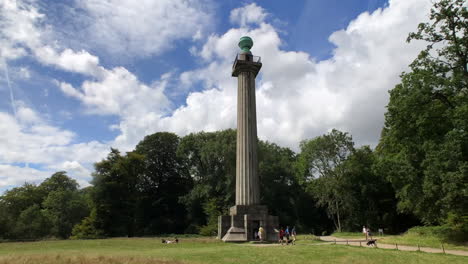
{"points": [[245, 43]]}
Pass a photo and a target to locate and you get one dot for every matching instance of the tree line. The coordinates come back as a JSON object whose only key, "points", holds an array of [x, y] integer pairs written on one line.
{"points": [[416, 175]]}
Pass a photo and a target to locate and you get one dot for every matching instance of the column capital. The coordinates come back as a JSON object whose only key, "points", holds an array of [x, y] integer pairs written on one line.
{"points": [[245, 65]]}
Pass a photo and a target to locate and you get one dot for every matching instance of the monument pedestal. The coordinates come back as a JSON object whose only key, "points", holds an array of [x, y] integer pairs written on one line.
{"points": [[244, 220]]}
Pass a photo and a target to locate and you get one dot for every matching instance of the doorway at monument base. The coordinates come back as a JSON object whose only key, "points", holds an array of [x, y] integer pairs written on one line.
{"points": [[244, 221]]}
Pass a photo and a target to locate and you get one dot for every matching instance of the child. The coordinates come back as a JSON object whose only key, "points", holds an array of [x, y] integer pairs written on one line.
{"points": [[281, 236]]}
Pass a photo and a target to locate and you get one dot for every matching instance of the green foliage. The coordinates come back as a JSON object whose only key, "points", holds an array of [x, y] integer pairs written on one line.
{"points": [[138, 194], [163, 181], [210, 159], [48, 210], [18, 199], [87, 229], [63, 204], [32, 223], [115, 187], [423, 151], [59, 181], [282, 192], [64, 208], [418, 173], [320, 165]]}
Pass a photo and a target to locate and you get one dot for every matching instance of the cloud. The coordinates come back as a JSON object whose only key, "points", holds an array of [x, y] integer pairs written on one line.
{"points": [[74, 168], [113, 91], [69, 60], [118, 92], [17, 30], [143, 28], [23, 32], [299, 97], [248, 14], [30, 139], [15, 175]]}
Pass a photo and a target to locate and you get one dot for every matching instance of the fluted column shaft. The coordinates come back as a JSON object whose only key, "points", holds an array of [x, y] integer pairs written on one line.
{"points": [[247, 181]]}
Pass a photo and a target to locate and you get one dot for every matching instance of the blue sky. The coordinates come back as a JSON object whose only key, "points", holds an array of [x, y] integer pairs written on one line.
{"points": [[87, 75]]}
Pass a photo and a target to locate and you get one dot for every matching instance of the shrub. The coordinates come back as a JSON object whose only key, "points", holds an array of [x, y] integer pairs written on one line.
{"points": [[86, 229]]}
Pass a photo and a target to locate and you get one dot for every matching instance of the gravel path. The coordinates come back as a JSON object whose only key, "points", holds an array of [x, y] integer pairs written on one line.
{"points": [[362, 242]]}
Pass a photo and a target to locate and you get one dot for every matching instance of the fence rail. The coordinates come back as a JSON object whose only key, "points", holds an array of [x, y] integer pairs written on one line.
{"points": [[248, 57]]}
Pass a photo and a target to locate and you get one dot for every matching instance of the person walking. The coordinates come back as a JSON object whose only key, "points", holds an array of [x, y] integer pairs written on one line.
{"points": [[364, 231], [369, 234], [287, 234], [293, 235], [380, 231], [261, 233], [281, 236]]}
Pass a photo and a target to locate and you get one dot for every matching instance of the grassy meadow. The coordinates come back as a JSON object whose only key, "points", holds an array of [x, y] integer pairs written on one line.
{"points": [[411, 238], [203, 250]]}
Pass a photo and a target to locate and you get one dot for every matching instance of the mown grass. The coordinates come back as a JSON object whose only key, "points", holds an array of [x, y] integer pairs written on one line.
{"points": [[350, 235], [421, 236], [203, 250]]}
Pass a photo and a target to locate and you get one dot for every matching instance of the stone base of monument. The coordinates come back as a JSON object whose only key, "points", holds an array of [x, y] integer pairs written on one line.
{"points": [[242, 222]]}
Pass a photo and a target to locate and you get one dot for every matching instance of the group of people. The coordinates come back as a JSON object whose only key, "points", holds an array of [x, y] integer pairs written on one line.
{"points": [[287, 235]]}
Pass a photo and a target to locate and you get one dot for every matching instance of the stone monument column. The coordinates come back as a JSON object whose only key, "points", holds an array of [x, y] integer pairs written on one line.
{"points": [[246, 68], [247, 215]]}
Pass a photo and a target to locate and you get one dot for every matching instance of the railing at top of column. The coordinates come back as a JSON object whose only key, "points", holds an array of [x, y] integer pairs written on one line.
{"points": [[247, 57]]}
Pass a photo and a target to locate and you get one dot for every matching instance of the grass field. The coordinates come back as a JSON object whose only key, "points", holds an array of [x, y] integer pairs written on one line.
{"points": [[410, 239], [202, 250]]}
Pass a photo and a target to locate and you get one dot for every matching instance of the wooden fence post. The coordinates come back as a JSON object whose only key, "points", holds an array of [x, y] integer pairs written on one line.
{"points": [[396, 245]]}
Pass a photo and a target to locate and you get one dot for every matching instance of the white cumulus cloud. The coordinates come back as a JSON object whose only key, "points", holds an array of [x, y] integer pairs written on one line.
{"points": [[143, 28], [31, 139], [247, 14], [299, 97]]}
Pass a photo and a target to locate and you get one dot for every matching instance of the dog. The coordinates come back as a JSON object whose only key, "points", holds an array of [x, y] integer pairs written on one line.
{"points": [[372, 242]]}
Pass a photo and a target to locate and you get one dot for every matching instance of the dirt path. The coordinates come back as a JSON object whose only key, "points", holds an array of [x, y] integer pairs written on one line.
{"points": [[362, 242]]}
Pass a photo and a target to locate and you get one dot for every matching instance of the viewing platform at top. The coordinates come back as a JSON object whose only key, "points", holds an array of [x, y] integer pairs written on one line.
{"points": [[246, 62]]}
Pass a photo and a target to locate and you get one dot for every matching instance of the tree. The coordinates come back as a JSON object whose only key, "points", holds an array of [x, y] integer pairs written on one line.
{"points": [[163, 182], [424, 144], [211, 162], [50, 209], [63, 205], [115, 194], [65, 209], [59, 181], [32, 223], [320, 166], [13, 203], [374, 196], [279, 189], [281, 192]]}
